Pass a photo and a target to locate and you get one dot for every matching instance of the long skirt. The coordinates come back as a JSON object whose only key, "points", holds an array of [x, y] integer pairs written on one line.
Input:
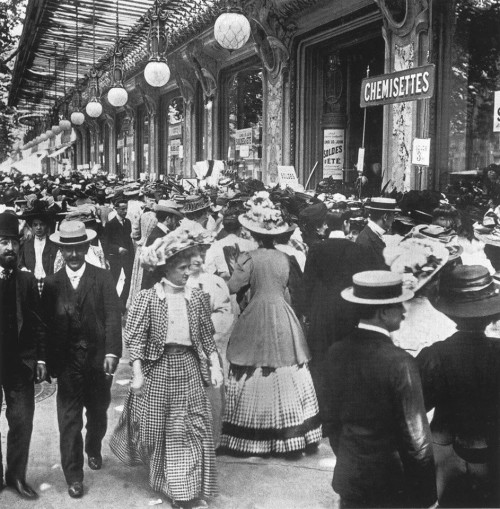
{"points": [[136, 278], [169, 429], [270, 410]]}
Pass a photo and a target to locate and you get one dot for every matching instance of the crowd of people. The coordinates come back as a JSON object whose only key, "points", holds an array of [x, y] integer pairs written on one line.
{"points": [[257, 321]]}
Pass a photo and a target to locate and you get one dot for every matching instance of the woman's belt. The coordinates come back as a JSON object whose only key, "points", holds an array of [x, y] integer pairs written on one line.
{"points": [[172, 348]]}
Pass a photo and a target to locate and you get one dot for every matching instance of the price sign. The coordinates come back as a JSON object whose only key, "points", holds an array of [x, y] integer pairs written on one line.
{"points": [[421, 151], [496, 113], [287, 177]]}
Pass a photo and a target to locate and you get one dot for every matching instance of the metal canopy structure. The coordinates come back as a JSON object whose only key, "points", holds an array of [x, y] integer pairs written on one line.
{"points": [[48, 43]]}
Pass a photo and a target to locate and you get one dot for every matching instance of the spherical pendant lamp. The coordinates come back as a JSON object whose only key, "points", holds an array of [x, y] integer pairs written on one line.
{"points": [[94, 108], [77, 118], [157, 74], [232, 29], [56, 129], [157, 71], [117, 96], [65, 125]]}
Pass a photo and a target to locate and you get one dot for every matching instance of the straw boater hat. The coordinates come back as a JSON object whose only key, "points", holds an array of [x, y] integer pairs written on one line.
{"points": [[262, 216], [383, 204], [195, 204], [188, 234], [376, 287], [168, 206], [72, 233], [468, 291]]}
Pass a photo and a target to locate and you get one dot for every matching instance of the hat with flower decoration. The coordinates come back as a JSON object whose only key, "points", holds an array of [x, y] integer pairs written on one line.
{"points": [[188, 234], [262, 216]]}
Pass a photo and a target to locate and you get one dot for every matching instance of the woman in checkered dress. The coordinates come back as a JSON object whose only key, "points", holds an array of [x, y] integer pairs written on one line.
{"points": [[271, 405], [166, 421]]}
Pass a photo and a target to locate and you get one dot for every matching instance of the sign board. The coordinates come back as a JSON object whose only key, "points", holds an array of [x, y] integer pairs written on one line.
{"points": [[174, 147], [421, 151], [333, 153], [409, 85], [243, 137], [101, 147], [120, 143], [361, 160], [174, 130], [287, 177], [496, 113], [244, 151]]}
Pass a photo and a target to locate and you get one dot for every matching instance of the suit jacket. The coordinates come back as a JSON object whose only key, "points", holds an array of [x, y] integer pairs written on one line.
{"points": [[377, 425], [31, 330], [461, 380], [27, 257], [156, 233], [375, 246], [329, 269], [99, 312], [115, 236]]}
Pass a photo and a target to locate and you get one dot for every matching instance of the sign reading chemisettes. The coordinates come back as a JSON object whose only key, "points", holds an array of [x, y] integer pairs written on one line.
{"points": [[408, 85]]}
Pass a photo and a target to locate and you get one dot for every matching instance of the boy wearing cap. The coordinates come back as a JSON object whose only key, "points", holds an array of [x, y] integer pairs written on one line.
{"points": [[461, 381], [374, 409], [82, 311], [22, 354]]}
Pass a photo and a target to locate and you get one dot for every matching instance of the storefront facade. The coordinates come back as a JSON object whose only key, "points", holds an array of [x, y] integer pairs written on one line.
{"points": [[291, 96]]}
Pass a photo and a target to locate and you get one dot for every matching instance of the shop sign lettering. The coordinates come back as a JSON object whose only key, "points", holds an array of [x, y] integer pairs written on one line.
{"points": [[409, 85], [174, 147], [174, 130], [287, 177], [333, 153]]}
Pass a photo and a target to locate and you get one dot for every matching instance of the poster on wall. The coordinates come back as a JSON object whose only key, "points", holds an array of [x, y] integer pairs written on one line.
{"points": [[333, 153], [243, 137], [175, 147], [174, 130]]}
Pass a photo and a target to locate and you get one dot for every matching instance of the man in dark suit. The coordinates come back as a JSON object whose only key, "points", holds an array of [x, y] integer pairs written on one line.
{"points": [[119, 247], [375, 416], [38, 253], [22, 354], [169, 216], [461, 381], [381, 216], [330, 265], [82, 311]]}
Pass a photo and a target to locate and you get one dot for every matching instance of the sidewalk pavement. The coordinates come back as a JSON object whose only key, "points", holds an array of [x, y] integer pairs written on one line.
{"points": [[244, 483]]}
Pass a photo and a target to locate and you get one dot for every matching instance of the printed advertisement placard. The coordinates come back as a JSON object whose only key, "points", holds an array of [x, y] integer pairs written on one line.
{"points": [[333, 153]]}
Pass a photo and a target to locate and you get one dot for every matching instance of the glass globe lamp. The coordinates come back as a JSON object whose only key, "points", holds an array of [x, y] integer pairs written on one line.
{"points": [[56, 129], [117, 96], [156, 73], [94, 109], [77, 118], [43, 137], [232, 30], [50, 134]]}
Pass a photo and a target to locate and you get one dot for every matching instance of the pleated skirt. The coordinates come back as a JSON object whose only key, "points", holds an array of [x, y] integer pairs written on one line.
{"points": [[169, 429], [270, 410]]}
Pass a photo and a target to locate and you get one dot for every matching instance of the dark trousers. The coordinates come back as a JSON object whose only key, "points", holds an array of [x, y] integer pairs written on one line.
{"points": [[20, 400], [79, 387], [115, 267]]}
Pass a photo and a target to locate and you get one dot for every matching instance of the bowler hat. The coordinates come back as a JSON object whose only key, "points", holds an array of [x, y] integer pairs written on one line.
{"points": [[72, 233], [468, 291], [376, 287], [9, 225]]}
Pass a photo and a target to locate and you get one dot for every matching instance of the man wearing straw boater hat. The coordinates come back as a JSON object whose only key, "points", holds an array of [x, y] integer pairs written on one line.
{"points": [[461, 381], [381, 212], [374, 408], [82, 311], [22, 354]]}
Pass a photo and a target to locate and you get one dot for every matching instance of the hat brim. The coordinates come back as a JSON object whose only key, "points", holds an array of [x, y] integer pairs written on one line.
{"points": [[368, 207], [250, 225], [184, 211], [474, 309], [168, 210], [56, 238], [348, 295]]}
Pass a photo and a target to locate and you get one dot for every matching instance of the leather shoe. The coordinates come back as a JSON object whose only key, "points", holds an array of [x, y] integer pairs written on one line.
{"points": [[24, 490], [75, 490], [95, 462]]}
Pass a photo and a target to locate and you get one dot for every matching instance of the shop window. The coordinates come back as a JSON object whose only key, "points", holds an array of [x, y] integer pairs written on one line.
{"points": [[175, 150], [475, 76], [243, 140]]}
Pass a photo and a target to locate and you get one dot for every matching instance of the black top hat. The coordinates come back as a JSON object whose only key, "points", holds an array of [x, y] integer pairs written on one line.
{"points": [[9, 225]]}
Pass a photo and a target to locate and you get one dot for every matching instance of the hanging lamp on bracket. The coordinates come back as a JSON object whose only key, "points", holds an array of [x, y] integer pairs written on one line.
{"points": [[94, 106], [157, 71], [117, 95], [77, 117], [232, 28], [55, 115], [64, 123]]}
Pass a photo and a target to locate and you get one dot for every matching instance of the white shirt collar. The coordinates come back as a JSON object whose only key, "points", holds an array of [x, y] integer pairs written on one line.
{"points": [[42, 240], [76, 273], [163, 227], [336, 234], [374, 328], [376, 228], [162, 294]]}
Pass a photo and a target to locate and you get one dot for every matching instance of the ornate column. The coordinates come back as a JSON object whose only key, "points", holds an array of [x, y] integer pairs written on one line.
{"points": [[151, 101], [129, 159], [271, 38], [406, 33], [185, 78], [111, 155]]}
